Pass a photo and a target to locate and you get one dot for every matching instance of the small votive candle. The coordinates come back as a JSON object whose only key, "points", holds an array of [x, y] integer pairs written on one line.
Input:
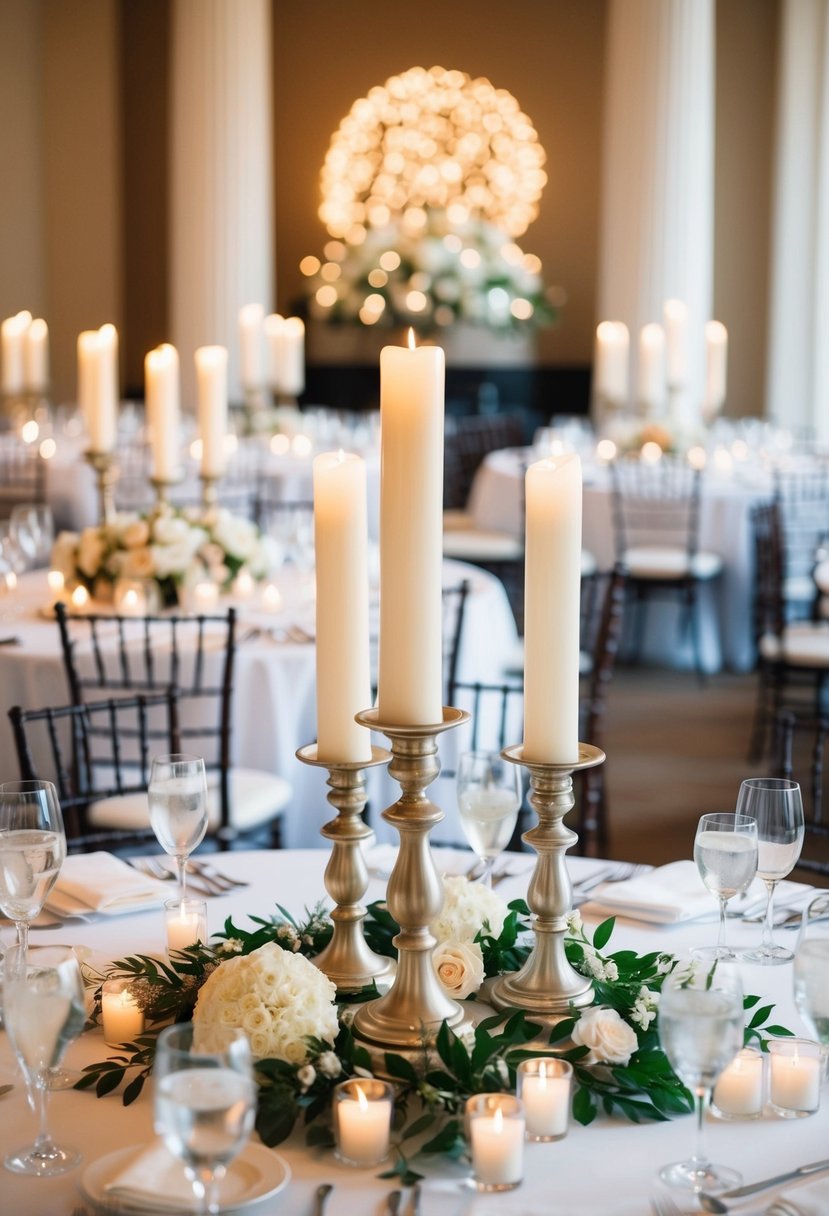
{"points": [[129, 598], [544, 1089], [205, 596], [243, 585], [57, 585], [795, 1075], [495, 1127], [738, 1093], [362, 1121], [186, 923], [80, 598], [271, 598], [122, 1016]]}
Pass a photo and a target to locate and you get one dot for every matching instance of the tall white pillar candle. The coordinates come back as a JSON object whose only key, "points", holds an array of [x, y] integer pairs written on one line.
{"points": [[341, 548], [36, 356], [411, 535], [98, 385], [211, 382], [675, 323], [612, 352], [552, 610], [716, 359], [652, 378], [12, 338], [161, 388], [285, 339], [250, 345], [272, 329]]}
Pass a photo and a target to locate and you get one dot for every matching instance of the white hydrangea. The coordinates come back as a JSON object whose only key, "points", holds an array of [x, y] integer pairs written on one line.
{"points": [[598, 968], [575, 924], [277, 998], [644, 1008], [467, 907]]}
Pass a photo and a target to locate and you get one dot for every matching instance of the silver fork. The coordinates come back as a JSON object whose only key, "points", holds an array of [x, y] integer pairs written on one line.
{"points": [[205, 870], [157, 869], [618, 871]]}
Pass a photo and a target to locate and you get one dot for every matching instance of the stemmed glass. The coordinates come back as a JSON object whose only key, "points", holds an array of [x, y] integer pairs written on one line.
{"points": [[204, 1104], [32, 528], [811, 968], [43, 1007], [701, 1030], [178, 807], [489, 795], [32, 849], [725, 850], [777, 806]]}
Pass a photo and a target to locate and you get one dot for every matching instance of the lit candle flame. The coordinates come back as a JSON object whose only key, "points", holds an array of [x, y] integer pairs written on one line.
{"points": [[411, 338], [362, 1101]]}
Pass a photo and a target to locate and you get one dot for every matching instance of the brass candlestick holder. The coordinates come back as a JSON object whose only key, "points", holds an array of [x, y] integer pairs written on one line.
{"points": [[346, 959], [411, 1012], [162, 487], [546, 986], [209, 490], [106, 474]]}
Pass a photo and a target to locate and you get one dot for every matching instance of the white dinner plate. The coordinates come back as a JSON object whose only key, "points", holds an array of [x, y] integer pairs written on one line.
{"points": [[261, 1172]]}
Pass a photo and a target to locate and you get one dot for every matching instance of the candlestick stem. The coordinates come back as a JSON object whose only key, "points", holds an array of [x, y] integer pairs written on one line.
{"points": [[412, 1011], [347, 959], [162, 487], [209, 490], [547, 986], [106, 474]]}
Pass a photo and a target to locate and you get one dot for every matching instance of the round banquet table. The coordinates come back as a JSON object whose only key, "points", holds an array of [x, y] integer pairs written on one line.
{"points": [[496, 503], [274, 704], [606, 1169]]}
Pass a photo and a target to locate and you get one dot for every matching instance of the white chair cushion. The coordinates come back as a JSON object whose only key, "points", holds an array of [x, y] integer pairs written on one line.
{"points": [[665, 563], [821, 575], [799, 588], [803, 644], [255, 798], [473, 544]]}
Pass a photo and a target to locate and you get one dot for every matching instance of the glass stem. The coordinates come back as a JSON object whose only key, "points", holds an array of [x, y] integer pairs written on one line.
{"points": [[699, 1160], [486, 877], [40, 1095], [722, 949], [181, 866], [22, 927], [767, 943]]}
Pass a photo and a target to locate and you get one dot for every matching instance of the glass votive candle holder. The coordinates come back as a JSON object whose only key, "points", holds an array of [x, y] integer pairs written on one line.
{"points": [[185, 921], [544, 1086], [362, 1120], [121, 1013], [738, 1092], [135, 597], [495, 1130], [204, 596], [796, 1068]]}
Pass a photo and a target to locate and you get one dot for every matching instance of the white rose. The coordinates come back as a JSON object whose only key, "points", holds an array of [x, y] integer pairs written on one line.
{"points": [[137, 563], [91, 548], [467, 906], [238, 536], [459, 967], [604, 1031], [171, 530], [306, 1076], [329, 1064], [136, 535], [64, 553]]}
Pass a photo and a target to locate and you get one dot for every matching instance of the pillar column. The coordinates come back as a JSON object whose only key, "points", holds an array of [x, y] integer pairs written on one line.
{"points": [[656, 239], [221, 176]]}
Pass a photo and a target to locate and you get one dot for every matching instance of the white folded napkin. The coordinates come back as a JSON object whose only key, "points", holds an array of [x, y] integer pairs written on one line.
{"points": [[101, 883], [811, 1200], [154, 1180]]}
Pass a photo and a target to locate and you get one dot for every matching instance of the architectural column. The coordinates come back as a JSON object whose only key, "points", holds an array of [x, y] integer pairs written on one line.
{"points": [[798, 353], [221, 177], [656, 240]]}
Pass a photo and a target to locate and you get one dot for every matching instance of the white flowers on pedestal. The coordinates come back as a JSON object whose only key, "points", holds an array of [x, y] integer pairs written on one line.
{"points": [[468, 907]]}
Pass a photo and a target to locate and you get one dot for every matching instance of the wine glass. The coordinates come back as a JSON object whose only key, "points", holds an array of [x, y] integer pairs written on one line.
{"points": [[701, 1031], [204, 1104], [777, 806], [178, 807], [811, 968], [32, 849], [32, 527], [43, 1007], [489, 795], [725, 850]]}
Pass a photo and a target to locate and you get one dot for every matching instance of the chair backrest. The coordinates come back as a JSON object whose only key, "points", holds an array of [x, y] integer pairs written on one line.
{"points": [[289, 522], [769, 604], [193, 654], [100, 749], [473, 438], [655, 504], [802, 502], [801, 749], [454, 609], [603, 606]]}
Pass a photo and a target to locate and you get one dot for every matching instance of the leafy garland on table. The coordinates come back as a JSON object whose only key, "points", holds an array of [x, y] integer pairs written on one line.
{"points": [[638, 1084]]}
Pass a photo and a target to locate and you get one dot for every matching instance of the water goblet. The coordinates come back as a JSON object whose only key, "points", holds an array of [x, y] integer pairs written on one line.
{"points": [[204, 1104], [725, 850], [701, 1031], [811, 968], [32, 849], [43, 1008], [777, 806], [489, 795], [177, 796], [32, 527]]}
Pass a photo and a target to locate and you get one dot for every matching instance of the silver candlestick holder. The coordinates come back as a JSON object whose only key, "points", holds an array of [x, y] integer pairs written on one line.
{"points": [[209, 490], [106, 474], [409, 1015], [547, 986], [162, 486], [347, 959]]}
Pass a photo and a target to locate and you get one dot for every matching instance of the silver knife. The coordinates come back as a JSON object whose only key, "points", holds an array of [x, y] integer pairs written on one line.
{"points": [[714, 1203]]}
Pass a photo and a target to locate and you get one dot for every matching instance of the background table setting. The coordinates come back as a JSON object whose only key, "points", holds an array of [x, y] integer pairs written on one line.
{"points": [[561, 1178]]}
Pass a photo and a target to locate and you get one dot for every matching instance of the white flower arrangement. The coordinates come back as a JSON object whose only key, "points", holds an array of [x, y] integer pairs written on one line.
{"points": [[608, 1036], [278, 998], [468, 907]]}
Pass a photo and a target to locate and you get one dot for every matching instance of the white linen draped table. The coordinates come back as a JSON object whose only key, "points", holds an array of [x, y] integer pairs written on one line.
{"points": [[606, 1169], [274, 706], [496, 502]]}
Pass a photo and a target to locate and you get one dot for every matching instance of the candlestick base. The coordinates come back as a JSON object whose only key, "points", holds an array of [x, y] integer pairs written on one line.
{"points": [[410, 1014], [347, 959], [162, 487], [209, 490], [547, 986], [106, 474]]}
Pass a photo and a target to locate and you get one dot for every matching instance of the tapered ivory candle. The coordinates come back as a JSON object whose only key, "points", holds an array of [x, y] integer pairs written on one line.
{"points": [[675, 324], [612, 351], [250, 345], [98, 385], [161, 386], [716, 358], [652, 376], [411, 535], [13, 336], [341, 548], [551, 611], [211, 379], [36, 356]]}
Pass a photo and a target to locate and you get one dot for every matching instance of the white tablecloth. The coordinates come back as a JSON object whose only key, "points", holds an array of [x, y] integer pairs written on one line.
{"points": [[496, 502], [275, 684], [606, 1169]]}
